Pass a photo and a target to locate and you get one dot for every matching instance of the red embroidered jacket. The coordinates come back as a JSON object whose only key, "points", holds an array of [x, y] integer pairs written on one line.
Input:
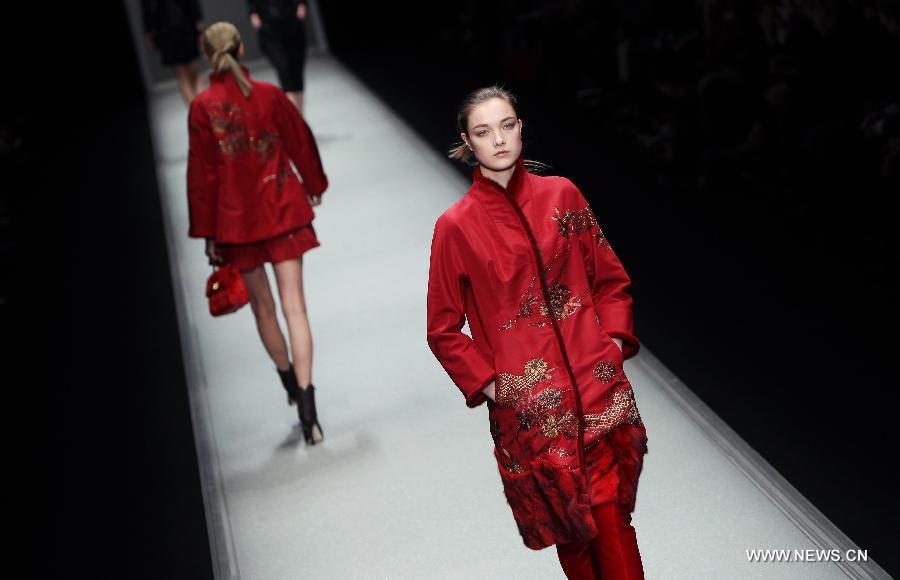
{"points": [[543, 293], [240, 184]]}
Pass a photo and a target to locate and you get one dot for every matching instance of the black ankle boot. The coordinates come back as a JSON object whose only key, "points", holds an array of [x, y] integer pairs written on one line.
{"points": [[289, 382], [312, 431]]}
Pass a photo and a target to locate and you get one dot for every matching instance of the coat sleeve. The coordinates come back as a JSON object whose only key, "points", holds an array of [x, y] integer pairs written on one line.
{"points": [[610, 285], [468, 368], [300, 145], [202, 174]]}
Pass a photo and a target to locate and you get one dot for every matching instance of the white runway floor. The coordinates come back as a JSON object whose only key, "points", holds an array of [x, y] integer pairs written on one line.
{"points": [[405, 486]]}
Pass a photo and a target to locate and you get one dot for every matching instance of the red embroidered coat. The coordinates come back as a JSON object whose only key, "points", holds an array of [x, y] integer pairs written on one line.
{"points": [[240, 184], [543, 292]]}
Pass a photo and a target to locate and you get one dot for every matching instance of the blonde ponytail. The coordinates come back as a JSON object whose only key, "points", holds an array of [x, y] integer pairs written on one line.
{"points": [[221, 44]]}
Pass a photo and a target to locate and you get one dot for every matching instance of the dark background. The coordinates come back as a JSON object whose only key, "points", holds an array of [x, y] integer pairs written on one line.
{"points": [[743, 170], [106, 481]]}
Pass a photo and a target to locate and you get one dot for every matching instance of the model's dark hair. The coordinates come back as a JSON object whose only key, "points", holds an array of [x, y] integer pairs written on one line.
{"points": [[461, 151]]}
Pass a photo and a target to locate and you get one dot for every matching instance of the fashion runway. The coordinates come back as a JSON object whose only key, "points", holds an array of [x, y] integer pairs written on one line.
{"points": [[405, 484]]}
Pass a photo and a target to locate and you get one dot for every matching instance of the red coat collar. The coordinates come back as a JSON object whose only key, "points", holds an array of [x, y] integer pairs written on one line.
{"points": [[495, 198], [515, 180]]}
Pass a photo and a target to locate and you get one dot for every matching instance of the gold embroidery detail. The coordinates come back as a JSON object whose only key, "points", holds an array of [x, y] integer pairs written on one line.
{"points": [[550, 397], [264, 144], [513, 390], [622, 409], [563, 453], [227, 121], [601, 240], [562, 302], [279, 178], [574, 222], [605, 371], [510, 465], [554, 425]]}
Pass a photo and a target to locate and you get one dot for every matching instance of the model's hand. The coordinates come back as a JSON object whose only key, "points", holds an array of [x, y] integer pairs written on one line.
{"points": [[618, 342], [301, 11], [255, 21], [148, 41], [212, 252], [314, 200], [489, 391]]}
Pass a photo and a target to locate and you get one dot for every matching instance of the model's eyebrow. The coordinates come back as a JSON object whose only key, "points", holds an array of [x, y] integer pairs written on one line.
{"points": [[485, 124]]}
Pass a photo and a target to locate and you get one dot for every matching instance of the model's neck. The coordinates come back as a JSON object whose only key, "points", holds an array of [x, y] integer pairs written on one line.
{"points": [[501, 177]]}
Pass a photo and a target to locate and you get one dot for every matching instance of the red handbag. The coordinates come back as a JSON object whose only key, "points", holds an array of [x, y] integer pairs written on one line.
{"points": [[226, 290]]}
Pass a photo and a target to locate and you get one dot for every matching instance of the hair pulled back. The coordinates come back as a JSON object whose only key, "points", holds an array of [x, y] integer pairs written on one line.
{"points": [[222, 44]]}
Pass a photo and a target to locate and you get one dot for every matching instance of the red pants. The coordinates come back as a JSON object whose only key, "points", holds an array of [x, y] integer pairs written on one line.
{"points": [[612, 555]]}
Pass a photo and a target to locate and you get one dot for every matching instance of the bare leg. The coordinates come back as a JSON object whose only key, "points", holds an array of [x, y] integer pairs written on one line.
{"points": [[263, 305], [289, 275], [297, 98], [186, 83]]}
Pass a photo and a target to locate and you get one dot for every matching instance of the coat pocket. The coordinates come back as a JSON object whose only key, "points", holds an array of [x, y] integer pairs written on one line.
{"points": [[551, 505]]}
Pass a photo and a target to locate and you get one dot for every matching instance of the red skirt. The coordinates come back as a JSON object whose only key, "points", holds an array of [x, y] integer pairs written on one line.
{"points": [[287, 246]]}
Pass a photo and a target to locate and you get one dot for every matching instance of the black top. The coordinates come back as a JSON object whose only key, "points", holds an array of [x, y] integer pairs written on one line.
{"points": [[159, 14]]}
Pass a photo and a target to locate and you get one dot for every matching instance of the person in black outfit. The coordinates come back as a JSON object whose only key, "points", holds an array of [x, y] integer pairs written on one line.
{"points": [[282, 38], [173, 27]]}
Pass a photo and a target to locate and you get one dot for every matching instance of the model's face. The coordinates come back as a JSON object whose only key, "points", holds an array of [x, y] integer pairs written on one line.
{"points": [[495, 134]]}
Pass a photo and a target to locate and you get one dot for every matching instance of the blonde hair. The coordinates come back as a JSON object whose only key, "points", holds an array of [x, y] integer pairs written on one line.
{"points": [[222, 44]]}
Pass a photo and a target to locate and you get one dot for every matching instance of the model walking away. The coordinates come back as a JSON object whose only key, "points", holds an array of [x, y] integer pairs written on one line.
{"points": [[247, 202], [522, 258], [281, 25], [173, 28]]}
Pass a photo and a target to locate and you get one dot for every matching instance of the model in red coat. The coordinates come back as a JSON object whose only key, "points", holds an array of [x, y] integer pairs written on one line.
{"points": [[522, 258], [246, 201]]}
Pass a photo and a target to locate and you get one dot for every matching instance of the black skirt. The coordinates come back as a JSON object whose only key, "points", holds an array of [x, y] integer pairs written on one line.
{"points": [[283, 41]]}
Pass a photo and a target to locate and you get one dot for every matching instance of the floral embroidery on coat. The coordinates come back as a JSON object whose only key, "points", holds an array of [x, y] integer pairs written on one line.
{"points": [[605, 371], [574, 223], [539, 409], [227, 121], [563, 302], [264, 144], [622, 409]]}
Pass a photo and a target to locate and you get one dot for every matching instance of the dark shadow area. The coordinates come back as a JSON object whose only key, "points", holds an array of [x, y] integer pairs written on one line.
{"points": [[108, 472], [741, 157]]}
